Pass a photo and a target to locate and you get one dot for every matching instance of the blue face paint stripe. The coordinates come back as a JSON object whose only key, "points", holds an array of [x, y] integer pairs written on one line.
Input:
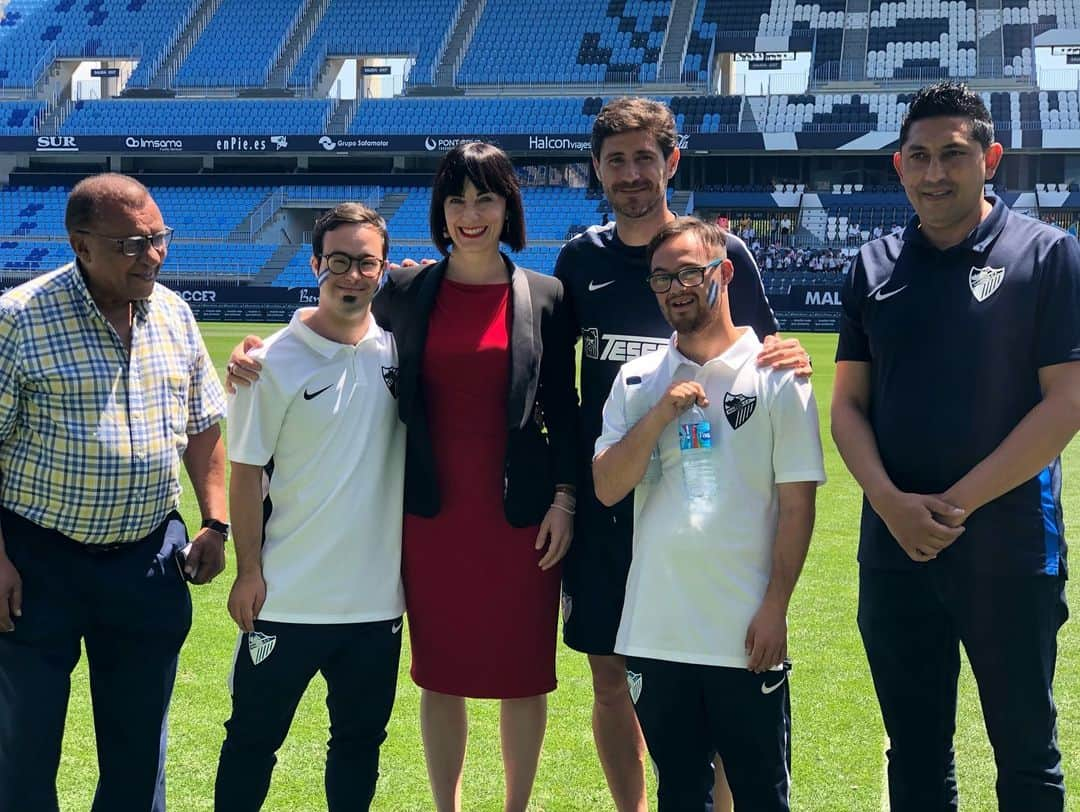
{"points": [[1050, 500]]}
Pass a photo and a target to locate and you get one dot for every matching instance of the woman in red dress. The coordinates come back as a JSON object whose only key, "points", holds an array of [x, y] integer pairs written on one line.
{"points": [[486, 365]]}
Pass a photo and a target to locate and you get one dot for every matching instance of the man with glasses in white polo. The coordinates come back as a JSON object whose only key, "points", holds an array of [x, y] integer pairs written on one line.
{"points": [[106, 387], [323, 592], [723, 459]]}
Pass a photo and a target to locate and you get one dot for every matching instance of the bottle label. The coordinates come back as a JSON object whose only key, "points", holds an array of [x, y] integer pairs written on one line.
{"points": [[695, 435]]}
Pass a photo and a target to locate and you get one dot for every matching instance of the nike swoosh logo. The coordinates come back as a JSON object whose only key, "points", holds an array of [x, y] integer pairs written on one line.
{"points": [[881, 297], [309, 395], [768, 689], [593, 286], [395, 628]]}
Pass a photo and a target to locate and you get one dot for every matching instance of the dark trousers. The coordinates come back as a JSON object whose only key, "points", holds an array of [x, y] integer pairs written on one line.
{"points": [[689, 712], [131, 607], [912, 624], [272, 670]]}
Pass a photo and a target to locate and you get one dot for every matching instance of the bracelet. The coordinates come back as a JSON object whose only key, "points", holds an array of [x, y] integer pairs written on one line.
{"points": [[557, 506], [569, 490]]}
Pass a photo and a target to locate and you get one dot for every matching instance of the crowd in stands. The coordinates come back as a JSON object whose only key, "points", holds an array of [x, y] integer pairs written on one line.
{"points": [[777, 258], [1065, 219]]}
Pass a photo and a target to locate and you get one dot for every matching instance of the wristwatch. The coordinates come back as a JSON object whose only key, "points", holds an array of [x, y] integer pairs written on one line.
{"points": [[217, 527]]}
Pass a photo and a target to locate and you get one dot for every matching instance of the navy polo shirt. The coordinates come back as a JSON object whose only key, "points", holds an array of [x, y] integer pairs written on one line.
{"points": [[955, 340]]}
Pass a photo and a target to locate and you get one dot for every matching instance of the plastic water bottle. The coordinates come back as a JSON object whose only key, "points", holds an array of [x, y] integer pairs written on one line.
{"points": [[695, 446]]}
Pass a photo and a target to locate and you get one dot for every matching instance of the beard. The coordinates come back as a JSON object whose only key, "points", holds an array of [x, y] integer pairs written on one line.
{"points": [[704, 314], [647, 201], [692, 322]]}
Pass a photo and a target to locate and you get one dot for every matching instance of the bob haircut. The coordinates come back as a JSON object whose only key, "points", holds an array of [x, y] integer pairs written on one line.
{"points": [[490, 170]]}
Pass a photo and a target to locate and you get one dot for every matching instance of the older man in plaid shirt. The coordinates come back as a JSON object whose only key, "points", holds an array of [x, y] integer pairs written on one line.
{"points": [[106, 386]]}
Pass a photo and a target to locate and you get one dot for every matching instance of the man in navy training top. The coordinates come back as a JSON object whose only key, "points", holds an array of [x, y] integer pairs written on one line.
{"points": [[957, 387], [603, 271]]}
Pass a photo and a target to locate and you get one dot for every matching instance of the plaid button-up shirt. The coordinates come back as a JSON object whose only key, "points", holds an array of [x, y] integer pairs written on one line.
{"points": [[92, 435]]}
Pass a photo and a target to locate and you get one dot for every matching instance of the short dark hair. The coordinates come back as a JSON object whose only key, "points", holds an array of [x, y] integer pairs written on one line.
{"points": [[950, 99], [490, 170], [343, 214], [709, 235], [92, 196], [631, 114]]}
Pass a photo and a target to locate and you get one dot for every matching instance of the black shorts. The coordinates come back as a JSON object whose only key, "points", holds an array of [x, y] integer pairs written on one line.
{"points": [[594, 579]]}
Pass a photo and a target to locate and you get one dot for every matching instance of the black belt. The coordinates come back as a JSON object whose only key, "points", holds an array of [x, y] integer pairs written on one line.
{"points": [[10, 520]]}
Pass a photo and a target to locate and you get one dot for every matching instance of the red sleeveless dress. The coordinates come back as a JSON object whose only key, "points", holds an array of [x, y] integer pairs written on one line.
{"points": [[482, 614]]}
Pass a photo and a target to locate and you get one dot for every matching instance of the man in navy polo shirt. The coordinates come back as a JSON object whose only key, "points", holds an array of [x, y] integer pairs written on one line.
{"points": [[957, 387]]}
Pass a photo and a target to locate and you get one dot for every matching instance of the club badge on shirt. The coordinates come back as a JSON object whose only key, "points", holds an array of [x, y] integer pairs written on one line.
{"points": [[390, 378], [984, 281], [738, 408]]}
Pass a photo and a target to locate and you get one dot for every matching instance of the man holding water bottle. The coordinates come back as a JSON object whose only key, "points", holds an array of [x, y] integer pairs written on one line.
{"points": [[704, 624]]}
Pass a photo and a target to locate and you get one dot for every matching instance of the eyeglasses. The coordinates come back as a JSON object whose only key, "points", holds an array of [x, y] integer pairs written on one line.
{"points": [[689, 277], [339, 263], [136, 246]]}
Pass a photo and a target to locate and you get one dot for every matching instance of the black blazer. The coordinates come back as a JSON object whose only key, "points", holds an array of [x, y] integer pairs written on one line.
{"points": [[542, 391]]}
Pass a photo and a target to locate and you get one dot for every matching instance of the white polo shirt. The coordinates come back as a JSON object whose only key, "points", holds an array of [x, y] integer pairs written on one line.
{"points": [[692, 591], [326, 413]]}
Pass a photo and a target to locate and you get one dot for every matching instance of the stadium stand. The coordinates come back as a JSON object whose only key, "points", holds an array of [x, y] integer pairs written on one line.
{"points": [[834, 112], [707, 114], [35, 31], [205, 212], [195, 116], [17, 117], [31, 258], [204, 260], [570, 41], [922, 39], [550, 114], [231, 230], [1023, 20], [735, 25], [215, 61], [379, 28]]}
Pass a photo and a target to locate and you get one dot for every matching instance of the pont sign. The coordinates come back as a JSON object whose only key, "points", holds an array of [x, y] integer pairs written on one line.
{"points": [[105, 73]]}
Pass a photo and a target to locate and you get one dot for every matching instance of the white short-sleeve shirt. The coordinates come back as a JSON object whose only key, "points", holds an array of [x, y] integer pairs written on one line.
{"points": [[326, 413], [693, 589]]}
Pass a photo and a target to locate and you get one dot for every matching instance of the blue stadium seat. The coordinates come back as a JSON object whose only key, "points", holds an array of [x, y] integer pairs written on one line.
{"points": [[593, 42], [379, 28], [215, 60], [195, 117], [17, 117], [33, 32]]}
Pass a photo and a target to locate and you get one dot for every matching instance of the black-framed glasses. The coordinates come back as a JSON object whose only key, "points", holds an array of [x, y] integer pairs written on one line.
{"points": [[338, 262], [136, 245], [689, 277]]}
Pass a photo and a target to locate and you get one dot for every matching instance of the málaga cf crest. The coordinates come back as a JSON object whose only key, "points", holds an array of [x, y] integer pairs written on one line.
{"points": [[738, 408], [984, 281], [260, 645]]}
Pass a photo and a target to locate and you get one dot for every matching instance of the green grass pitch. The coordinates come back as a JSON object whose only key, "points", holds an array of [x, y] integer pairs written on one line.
{"points": [[838, 738]]}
